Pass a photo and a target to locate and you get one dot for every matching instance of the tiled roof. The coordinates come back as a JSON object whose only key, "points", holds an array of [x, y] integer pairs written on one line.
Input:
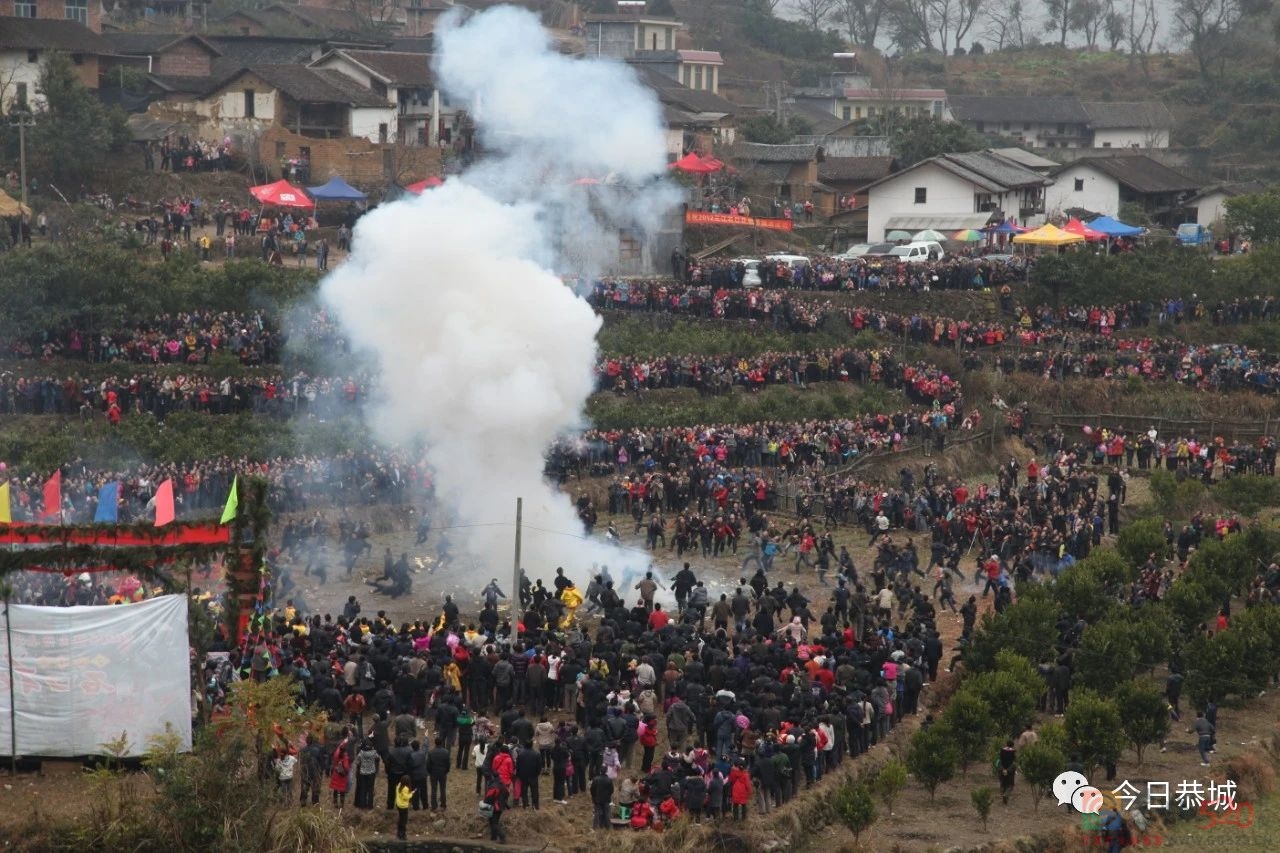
{"points": [[866, 169], [1104, 115], [315, 85], [146, 44], [1141, 173], [405, 69], [761, 153], [1018, 108], [50, 34]]}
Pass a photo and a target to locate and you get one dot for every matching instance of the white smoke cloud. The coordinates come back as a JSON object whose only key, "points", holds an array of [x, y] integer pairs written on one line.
{"points": [[484, 353]]}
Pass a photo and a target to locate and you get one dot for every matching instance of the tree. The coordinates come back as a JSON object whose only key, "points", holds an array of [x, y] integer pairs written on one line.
{"points": [[968, 716], [768, 130], [1255, 216], [982, 798], [854, 807], [1007, 25], [1028, 628], [917, 138], [1115, 27], [814, 13], [861, 19], [888, 781], [910, 24], [74, 132], [1040, 764], [1081, 593], [967, 13], [1093, 729], [1106, 656], [1144, 714], [1011, 692], [1210, 28], [1235, 662], [1088, 17], [1248, 494], [932, 757], [1144, 24], [1140, 539], [1058, 19]]}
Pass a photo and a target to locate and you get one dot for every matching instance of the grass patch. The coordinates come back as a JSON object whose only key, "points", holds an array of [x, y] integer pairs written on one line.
{"points": [[671, 407]]}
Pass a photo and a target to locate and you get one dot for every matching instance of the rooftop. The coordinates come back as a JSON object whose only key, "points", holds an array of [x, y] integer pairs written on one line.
{"points": [[1104, 115], [864, 169], [761, 153], [313, 85], [50, 34], [397, 68], [1141, 173], [1018, 108]]}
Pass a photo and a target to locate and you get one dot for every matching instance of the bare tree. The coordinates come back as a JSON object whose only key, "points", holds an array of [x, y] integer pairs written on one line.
{"points": [[1210, 28], [1144, 22], [814, 13], [966, 15], [942, 17], [910, 24], [861, 19], [1115, 27], [1058, 19], [1007, 25], [1088, 17]]}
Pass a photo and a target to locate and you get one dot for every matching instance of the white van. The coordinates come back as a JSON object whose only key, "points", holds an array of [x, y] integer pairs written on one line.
{"points": [[914, 253], [796, 262], [750, 271]]}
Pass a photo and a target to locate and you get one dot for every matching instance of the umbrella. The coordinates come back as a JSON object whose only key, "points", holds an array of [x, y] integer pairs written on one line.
{"points": [[1049, 235], [929, 234], [1114, 228], [422, 186], [968, 235], [281, 194], [894, 236], [1005, 228]]}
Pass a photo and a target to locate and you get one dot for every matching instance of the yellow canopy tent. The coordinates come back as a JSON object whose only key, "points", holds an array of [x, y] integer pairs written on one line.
{"points": [[1048, 235], [11, 207]]}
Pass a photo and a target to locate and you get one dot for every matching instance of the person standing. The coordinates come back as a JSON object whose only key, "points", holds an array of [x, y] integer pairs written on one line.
{"points": [[404, 796], [497, 797], [285, 765], [1204, 731], [438, 763], [528, 770], [601, 799], [339, 771], [312, 763], [1006, 767], [367, 761]]}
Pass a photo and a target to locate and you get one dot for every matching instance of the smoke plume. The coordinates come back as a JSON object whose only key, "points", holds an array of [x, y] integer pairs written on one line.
{"points": [[484, 353]]}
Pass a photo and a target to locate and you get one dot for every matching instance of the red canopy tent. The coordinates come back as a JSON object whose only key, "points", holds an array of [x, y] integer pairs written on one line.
{"points": [[697, 165], [422, 186], [1075, 226], [281, 194]]}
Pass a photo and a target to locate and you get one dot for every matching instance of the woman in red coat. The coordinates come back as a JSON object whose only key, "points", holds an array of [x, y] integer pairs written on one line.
{"points": [[739, 791], [339, 774]]}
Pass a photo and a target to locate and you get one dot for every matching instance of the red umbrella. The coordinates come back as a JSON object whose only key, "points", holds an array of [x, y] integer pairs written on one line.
{"points": [[1075, 226], [422, 186], [696, 165], [281, 194]]}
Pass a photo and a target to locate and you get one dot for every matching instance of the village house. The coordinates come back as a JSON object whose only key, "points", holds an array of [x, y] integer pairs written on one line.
{"points": [[1068, 122], [850, 94], [696, 120], [88, 13], [1102, 185], [25, 43], [785, 173], [951, 192], [621, 36], [1209, 205], [849, 177], [423, 115]]}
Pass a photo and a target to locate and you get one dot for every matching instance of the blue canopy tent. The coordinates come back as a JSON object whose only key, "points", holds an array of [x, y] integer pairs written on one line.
{"points": [[336, 189], [1114, 228]]}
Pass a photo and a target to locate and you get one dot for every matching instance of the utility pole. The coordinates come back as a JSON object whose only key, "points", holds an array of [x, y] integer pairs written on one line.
{"points": [[22, 119], [516, 604]]}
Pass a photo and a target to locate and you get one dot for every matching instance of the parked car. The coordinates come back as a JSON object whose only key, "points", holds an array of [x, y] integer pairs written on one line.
{"points": [[879, 250], [913, 253], [1192, 234], [794, 261], [857, 250], [751, 271]]}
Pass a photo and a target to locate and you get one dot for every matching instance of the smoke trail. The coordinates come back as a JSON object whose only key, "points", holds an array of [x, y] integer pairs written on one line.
{"points": [[483, 351]]}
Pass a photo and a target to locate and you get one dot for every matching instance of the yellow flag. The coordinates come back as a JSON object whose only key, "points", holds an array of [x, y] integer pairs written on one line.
{"points": [[6, 516]]}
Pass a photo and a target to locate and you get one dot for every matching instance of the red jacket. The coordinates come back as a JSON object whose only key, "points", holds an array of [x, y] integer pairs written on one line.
{"points": [[504, 768], [739, 787]]}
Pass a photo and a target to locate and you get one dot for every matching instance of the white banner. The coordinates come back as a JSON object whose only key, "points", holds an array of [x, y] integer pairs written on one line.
{"points": [[82, 676]]}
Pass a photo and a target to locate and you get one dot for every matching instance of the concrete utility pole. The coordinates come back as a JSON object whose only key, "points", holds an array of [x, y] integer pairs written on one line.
{"points": [[516, 604], [22, 119]]}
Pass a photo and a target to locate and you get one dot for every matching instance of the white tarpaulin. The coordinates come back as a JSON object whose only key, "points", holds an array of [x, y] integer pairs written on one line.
{"points": [[84, 675]]}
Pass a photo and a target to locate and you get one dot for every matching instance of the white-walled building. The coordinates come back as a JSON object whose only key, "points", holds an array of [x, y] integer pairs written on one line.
{"points": [[953, 192], [316, 102], [25, 43], [1066, 122], [1210, 204], [422, 114], [1104, 184], [1080, 186]]}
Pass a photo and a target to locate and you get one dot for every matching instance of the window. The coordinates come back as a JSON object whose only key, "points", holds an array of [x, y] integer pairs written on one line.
{"points": [[1106, 145], [846, 113], [382, 133], [937, 109], [248, 103], [857, 112], [379, 88], [871, 111], [77, 10], [655, 41], [629, 247], [77, 59], [697, 77], [1079, 185], [279, 150], [20, 94], [1062, 129], [388, 162], [24, 8], [922, 195]]}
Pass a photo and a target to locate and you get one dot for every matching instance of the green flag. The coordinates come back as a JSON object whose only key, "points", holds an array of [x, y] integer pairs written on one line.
{"points": [[233, 501]]}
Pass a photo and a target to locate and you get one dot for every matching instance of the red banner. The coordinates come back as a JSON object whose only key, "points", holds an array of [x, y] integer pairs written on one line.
{"points": [[47, 534], [695, 217]]}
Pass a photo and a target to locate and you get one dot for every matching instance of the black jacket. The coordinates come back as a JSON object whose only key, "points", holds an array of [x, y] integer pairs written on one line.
{"points": [[438, 762], [602, 790]]}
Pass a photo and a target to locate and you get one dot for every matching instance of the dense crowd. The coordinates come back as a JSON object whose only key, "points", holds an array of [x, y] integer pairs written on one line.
{"points": [[824, 272]]}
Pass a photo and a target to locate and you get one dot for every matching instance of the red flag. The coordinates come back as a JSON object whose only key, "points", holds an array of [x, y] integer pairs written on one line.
{"points": [[164, 503], [53, 496]]}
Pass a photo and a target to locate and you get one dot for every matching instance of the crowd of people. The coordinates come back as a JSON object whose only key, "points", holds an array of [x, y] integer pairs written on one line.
{"points": [[826, 272]]}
